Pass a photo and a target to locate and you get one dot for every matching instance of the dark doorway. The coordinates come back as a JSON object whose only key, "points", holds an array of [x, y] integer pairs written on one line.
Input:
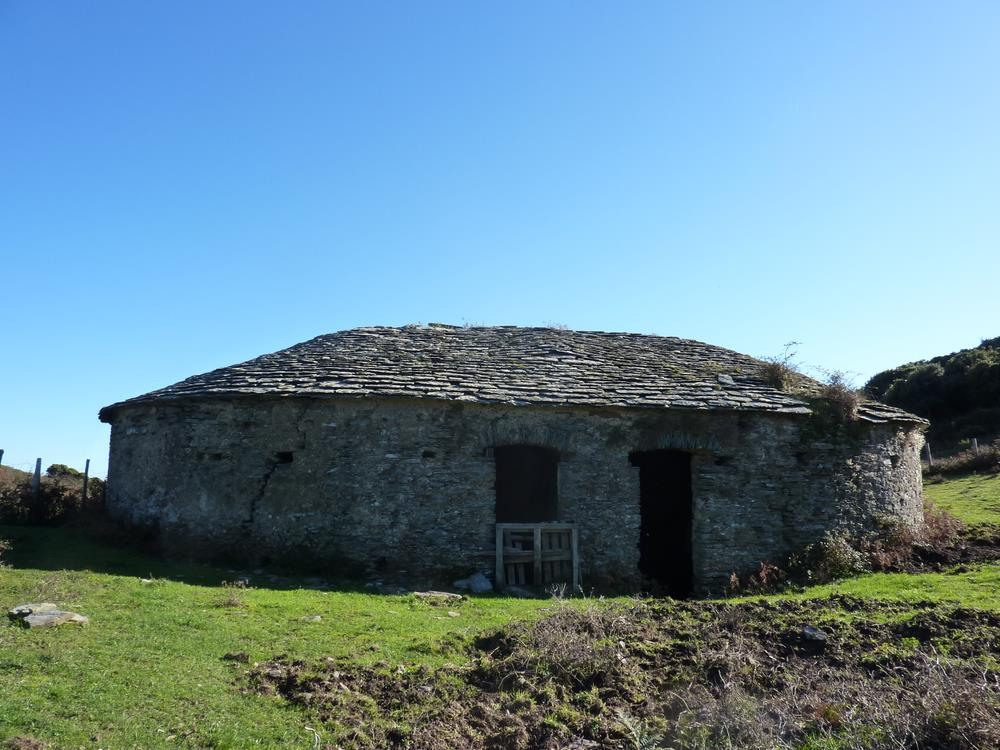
{"points": [[527, 484], [665, 531]]}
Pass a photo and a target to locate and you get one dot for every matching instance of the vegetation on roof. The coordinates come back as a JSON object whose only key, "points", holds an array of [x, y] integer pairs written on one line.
{"points": [[506, 365]]}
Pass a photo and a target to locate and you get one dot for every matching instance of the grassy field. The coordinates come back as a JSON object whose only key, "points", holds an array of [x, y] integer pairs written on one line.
{"points": [[149, 671], [974, 499]]}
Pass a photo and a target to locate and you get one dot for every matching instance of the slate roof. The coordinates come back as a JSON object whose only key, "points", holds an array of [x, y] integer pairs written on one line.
{"points": [[506, 365]]}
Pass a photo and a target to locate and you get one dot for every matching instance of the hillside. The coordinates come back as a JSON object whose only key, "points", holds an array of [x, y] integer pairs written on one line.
{"points": [[958, 392], [10, 476]]}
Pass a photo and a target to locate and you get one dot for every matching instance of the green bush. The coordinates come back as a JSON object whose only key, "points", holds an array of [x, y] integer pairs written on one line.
{"points": [[958, 392], [62, 470], [832, 558]]}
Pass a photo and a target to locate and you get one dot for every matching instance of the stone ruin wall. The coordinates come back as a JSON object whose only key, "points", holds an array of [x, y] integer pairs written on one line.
{"points": [[405, 489]]}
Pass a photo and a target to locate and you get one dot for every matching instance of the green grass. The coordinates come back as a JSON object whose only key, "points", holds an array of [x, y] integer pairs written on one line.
{"points": [[974, 499], [148, 672], [977, 587]]}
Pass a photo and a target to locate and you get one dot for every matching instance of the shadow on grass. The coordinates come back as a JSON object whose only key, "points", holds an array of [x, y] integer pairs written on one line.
{"points": [[72, 548]]}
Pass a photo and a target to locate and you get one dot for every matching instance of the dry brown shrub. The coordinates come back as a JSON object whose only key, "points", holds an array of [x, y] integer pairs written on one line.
{"points": [[781, 372], [232, 598], [900, 547], [778, 374], [940, 527], [52, 504], [767, 578], [843, 398]]}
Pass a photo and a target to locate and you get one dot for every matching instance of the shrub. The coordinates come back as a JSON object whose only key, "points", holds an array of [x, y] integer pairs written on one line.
{"points": [[986, 460], [781, 372], [14, 502], [767, 578], [95, 493], [893, 550], [896, 547], [4, 547], [639, 735], [52, 504], [832, 558], [958, 392], [843, 398], [62, 470], [684, 676], [232, 598], [940, 527]]}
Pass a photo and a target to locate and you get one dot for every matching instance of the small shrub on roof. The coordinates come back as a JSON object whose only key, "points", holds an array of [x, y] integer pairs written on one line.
{"points": [[782, 372], [844, 398]]}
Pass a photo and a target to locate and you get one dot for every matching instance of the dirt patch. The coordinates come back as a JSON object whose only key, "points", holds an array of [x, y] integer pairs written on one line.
{"points": [[836, 673], [24, 743], [973, 546]]}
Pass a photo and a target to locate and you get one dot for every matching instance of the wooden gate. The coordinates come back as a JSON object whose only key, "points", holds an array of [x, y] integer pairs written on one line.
{"points": [[537, 554]]}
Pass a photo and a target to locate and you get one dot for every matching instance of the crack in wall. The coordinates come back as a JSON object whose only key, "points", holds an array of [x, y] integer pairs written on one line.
{"points": [[266, 479], [260, 494]]}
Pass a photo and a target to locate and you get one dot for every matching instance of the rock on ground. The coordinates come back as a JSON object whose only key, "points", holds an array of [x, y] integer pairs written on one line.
{"points": [[44, 615]]}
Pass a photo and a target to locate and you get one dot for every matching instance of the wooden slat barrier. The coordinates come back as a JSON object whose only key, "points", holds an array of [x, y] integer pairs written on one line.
{"points": [[537, 554]]}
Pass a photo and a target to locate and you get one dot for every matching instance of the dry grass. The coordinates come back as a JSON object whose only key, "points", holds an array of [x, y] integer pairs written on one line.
{"points": [[232, 598], [652, 675]]}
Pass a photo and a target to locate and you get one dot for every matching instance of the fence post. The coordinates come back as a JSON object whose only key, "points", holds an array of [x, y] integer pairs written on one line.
{"points": [[500, 575], [36, 488], [930, 458], [538, 555], [86, 477], [975, 446], [1, 455]]}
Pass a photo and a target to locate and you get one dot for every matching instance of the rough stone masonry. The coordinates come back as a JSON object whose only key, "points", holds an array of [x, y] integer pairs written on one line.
{"points": [[374, 451]]}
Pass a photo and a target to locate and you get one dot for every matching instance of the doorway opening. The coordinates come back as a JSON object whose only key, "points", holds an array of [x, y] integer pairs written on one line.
{"points": [[666, 516], [527, 484]]}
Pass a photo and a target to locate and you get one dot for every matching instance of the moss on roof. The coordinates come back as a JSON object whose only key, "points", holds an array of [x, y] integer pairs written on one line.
{"points": [[505, 365]]}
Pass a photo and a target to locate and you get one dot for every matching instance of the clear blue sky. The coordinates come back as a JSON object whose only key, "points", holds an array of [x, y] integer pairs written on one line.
{"points": [[187, 185]]}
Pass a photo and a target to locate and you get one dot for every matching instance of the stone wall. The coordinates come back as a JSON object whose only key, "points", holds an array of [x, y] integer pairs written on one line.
{"points": [[405, 488]]}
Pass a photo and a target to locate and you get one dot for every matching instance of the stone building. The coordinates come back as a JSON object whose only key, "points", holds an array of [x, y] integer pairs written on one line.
{"points": [[429, 452]]}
